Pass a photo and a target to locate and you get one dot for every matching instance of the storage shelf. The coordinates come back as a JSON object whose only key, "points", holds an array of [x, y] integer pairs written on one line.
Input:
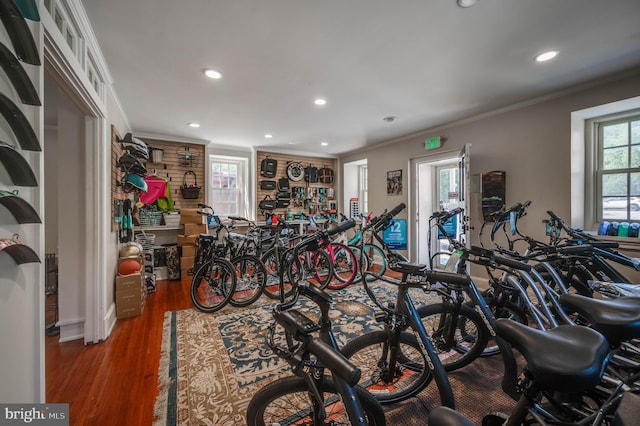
{"points": [[158, 228]]}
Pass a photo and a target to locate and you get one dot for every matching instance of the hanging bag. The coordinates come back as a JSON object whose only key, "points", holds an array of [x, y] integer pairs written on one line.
{"points": [[190, 191], [325, 175], [267, 203]]}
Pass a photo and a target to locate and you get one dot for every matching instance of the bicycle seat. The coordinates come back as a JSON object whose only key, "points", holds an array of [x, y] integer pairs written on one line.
{"points": [[445, 416], [567, 358], [408, 268], [206, 238], [617, 319]]}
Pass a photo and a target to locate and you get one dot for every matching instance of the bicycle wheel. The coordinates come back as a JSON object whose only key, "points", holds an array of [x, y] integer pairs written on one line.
{"points": [[251, 278], [288, 401], [371, 354], [213, 285], [458, 339], [377, 261], [345, 266], [272, 260], [312, 266]]}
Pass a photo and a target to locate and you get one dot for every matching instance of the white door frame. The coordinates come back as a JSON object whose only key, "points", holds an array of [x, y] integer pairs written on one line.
{"points": [[72, 79], [414, 213]]}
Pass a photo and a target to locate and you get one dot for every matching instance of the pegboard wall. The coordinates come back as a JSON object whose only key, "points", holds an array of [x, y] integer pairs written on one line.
{"points": [[172, 168], [318, 198]]}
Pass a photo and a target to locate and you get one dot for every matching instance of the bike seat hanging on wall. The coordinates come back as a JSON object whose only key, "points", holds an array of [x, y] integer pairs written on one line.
{"points": [[18, 251], [21, 210]]}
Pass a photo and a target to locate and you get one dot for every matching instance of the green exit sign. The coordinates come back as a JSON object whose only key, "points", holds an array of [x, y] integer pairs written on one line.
{"points": [[432, 143]]}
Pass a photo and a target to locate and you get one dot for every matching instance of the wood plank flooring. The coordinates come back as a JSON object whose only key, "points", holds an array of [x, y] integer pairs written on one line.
{"points": [[114, 382]]}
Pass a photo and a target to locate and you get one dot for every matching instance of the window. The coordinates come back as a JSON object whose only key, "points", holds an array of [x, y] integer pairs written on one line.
{"points": [[363, 187], [228, 185], [617, 140]]}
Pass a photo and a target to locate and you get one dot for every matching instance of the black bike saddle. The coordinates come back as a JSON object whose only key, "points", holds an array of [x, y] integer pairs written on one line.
{"points": [[408, 268], [617, 319], [567, 358]]}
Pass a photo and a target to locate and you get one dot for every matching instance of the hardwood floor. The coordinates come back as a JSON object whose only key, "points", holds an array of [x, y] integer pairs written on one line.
{"points": [[114, 382]]}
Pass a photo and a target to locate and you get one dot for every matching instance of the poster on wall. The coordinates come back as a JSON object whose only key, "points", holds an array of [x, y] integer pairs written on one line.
{"points": [[395, 236], [394, 182]]}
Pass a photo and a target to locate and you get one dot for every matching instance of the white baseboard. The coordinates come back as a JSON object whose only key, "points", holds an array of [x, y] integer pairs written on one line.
{"points": [[110, 320], [71, 330]]}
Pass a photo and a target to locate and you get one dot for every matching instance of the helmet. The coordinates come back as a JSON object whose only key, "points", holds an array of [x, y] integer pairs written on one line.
{"points": [[129, 267], [135, 146], [131, 249], [136, 181], [131, 164]]}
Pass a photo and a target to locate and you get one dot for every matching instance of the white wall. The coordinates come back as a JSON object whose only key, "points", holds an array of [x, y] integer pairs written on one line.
{"points": [[22, 286], [532, 143]]}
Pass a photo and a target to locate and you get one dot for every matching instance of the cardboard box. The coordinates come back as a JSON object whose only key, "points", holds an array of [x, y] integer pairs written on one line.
{"points": [[184, 274], [186, 262], [130, 297], [128, 283], [192, 216], [129, 311], [188, 251], [187, 240], [195, 229]]}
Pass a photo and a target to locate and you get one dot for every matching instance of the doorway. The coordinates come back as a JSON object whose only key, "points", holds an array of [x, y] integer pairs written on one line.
{"points": [[441, 183]]}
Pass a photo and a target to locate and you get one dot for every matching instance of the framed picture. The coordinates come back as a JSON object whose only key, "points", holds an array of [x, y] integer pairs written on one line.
{"points": [[394, 182]]}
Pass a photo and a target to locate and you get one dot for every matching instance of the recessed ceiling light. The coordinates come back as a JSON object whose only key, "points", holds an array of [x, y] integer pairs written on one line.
{"points": [[213, 73], [546, 56], [390, 119], [268, 135], [194, 124], [320, 101], [324, 143], [467, 3]]}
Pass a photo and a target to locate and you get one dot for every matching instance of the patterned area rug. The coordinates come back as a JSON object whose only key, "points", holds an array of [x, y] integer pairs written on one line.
{"points": [[212, 364]]}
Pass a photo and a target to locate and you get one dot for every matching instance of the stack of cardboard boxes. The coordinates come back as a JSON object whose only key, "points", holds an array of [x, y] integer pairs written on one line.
{"points": [[130, 293], [194, 225]]}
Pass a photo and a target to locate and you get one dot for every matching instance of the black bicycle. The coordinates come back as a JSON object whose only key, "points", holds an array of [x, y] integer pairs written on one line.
{"points": [[312, 397], [214, 277]]}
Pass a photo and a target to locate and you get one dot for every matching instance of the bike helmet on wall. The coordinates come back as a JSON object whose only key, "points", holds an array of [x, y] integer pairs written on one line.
{"points": [[136, 181]]}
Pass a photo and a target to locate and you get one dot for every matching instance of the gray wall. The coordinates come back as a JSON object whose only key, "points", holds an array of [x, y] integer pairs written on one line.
{"points": [[530, 141]]}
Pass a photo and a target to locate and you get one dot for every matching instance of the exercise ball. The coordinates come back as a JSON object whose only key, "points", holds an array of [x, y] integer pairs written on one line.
{"points": [[129, 267]]}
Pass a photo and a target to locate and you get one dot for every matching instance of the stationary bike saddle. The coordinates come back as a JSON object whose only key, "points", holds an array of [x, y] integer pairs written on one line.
{"points": [[568, 358], [617, 319]]}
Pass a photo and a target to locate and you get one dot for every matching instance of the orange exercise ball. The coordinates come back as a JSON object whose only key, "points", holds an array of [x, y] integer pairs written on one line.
{"points": [[129, 267]]}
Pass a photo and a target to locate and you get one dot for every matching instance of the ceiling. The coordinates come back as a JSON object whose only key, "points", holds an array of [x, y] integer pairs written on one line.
{"points": [[424, 62]]}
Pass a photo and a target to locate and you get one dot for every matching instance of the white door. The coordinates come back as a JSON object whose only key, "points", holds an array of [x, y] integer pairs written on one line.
{"points": [[441, 183]]}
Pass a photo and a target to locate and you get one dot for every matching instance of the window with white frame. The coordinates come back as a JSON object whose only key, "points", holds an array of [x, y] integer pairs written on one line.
{"points": [[228, 185], [363, 188], [617, 175]]}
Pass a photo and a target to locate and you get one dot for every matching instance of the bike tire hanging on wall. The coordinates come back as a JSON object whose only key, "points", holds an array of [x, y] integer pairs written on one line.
{"points": [[295, 171]]}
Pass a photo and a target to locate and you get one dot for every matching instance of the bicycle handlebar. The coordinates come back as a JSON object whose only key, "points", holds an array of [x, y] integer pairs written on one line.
{"points": [[318, 236], [504, 261], [334, 361], [379, 223], [443, 216]]}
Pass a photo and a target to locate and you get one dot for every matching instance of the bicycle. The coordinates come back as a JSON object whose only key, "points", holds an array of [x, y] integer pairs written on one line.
{"points": [[562, 382], [311, 397], [214, 277], [275, 247], [396, 364]]}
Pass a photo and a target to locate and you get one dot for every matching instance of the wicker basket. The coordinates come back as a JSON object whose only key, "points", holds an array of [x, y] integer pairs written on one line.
{"points": [[171, 219], [146, 240], [190, 191], [150, 218]]}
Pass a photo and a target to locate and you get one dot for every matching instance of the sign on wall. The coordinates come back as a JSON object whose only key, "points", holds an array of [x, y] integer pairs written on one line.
{"points": [[396, 235]]}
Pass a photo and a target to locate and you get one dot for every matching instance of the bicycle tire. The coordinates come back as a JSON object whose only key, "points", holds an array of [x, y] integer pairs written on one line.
{"points": [[345, 266], [219, 278], [470, 335], [289, 398], [272, 261], [377, 261], [318, 270], [251, 278], [369, 353]]}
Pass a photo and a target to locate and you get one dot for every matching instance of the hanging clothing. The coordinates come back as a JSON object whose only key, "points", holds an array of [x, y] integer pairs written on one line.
{"points": [[156, 188], [165, 204]]}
